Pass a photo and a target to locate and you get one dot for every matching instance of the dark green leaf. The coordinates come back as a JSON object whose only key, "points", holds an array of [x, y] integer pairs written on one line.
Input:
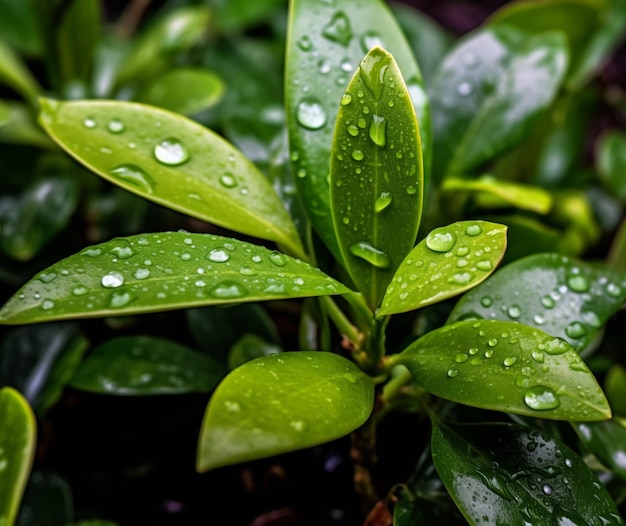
{"points": [[156, 272], [324, 47], [143, 365], [509, 474], [615, 389], [282, 403], [449, 261], [18, 27], [18, 126], [611, 159], [231, 15], [607, 441], [172, 161], [376, 174], [565, 297], [47, 501], [249, 347], [506, 366], [15, 74]]}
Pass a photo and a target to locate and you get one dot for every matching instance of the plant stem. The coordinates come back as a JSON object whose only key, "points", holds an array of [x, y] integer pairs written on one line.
{"points": [[340, 320], [364, 459]]}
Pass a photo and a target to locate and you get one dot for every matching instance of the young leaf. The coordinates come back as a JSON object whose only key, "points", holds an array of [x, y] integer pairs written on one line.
{"points": [[562, 296], [17, 449], [607, 441], [143, 365], [282, 403], [156, 272], [172, 161], [376, 174], [509, 474], [451, 260], [326, 41], [506, 366]]}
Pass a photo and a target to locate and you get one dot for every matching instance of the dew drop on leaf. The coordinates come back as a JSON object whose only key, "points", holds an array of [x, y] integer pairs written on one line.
{"points": [[228, 181], [353, 130], [460, 278], [304, 43], [578, 283], [486, 301], [278, 259], [122, 251], [338, 30], [47, 277], [79, 291], [371, 254], [382, 201], [484, 264], [357, 155], [89, 122], [441, 240], [120, 299], [142, 273], [116, 126], [112, 280], [613, 290], [217, 255], [171, 152], [453, 373], [575, 330], [378, 130], [311, 114], [514, 312], [547, 302], [464, 89], [346, 99], [134, 175], [510, 361], [227, 290], [473, 230], [541, 398], [47, 305]]}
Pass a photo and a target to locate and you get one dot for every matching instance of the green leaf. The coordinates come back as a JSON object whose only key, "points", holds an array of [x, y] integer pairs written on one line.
{"points": [[184, 90], [233, 15], [172, 161], [376, 174], [17, 449], [611, 160], [326, 42], [506, 366], [451, 260], [249, 347], [607, 441], [143, 365], [39, 361], [522, 196], [18, 126], [157, 272], [15, 74], [47, 501], [509, 474], [615, 389], [282, 403], [18, 27], [562, 296], [488, 92]]}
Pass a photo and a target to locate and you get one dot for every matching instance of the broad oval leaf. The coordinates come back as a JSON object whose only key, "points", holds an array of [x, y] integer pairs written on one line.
{"points": [[156, 272], [560, 295], [506, 366], [607, 441], [449, 261], [326, 42], [376, 174], [509, 474], [280, 403], [172, 161], [144, 365], [17, 450]]}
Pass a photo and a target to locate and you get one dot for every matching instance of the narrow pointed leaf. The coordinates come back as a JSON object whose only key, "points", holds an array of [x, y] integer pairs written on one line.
{"points": [[15, 74], [17, 449], [172, 161], [156, 272], [607, 441], [282, 403], [560, 295], [509, 474], [326, 42], [506, 366], [451, 260], [376, 174]]}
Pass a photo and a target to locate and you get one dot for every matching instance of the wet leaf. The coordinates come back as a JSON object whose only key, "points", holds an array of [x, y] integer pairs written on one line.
{"points": [[157, 272], [15, 74], [143, 365], [172, 161], [17, 449], [47, 501], [506, 366], [560, 295], [449, 261], [509, 474], [607, 441], [376, 174], [611, 160], [324, 47], [249, 347], [282, 403]]}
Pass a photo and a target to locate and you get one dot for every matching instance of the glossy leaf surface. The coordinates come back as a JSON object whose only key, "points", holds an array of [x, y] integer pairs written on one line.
{"points": [[15, 74], [611, 159], [449, 261], [562, 296], [249, 347], [326, 42], [17, 449], [172, 161], [509, 474], [376, 174], [282, 403], [506, 366], [489, 90], [156, 272], [607, 441], [143, 365]]}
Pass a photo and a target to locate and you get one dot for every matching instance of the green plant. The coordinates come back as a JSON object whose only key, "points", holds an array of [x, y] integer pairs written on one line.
{"points": [[371, 178]]}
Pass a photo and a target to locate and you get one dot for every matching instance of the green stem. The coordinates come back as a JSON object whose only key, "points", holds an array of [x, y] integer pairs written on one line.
{"points": [[340, 320]]}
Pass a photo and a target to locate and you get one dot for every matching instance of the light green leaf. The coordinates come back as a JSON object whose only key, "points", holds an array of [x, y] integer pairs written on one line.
{"points": [[506, 366], [562, 296], [157, 272], [611, 160], [451, 260], [607, 441], [15, 74], [509, 474], [326, 42], [17, 450], [282, 403], [376, 174], [172, 161], [143, 365]]}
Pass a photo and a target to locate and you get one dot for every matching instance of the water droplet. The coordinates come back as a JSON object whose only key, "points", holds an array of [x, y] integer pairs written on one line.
{"points": [[353, 130], [462, 251], [134, 175], [142, 273], [92, 252], [298, 425], [441, 240], [171, 152], [79, 291], [378, 130], [484, 265], [47, 277], [538, 356], [460, 278], [278, 259], [473, 351], [338, 29], [613, 290], [556, 346], [492, 342], [89, 122], [311, 114], [304, 43], [575, 330], [116, 126], [112, 280], [369, 40], [592, 319], [122, 251], [227, 290], [541, 398], [486, 301], [510, 361], [324, 66], [372, 255], [351, 378], [578, 283], [47, 305], [357, 155], [373, 71], [547, 489], [382, 201], [120, 298], [547, 302], [232, 407], [464, 89], [461, 357], [514, 311], [453, 373], [218, 255], [411, 190], [346, 99], [228, 181], [473, 230]]}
